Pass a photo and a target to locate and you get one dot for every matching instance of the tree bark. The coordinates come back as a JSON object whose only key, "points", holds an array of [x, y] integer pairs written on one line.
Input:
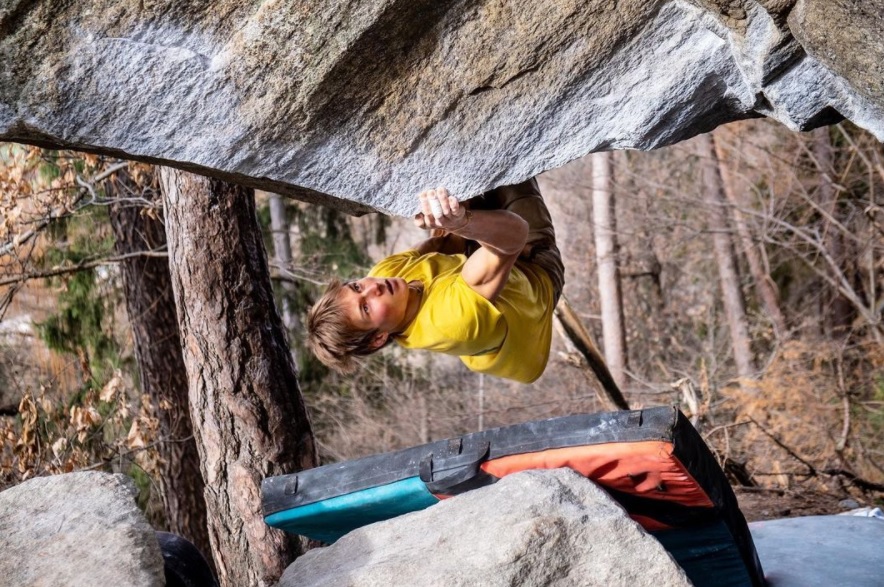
{"points": [[610, 296], [249, 417], [760, 278], [728, 270], [151, 309]]}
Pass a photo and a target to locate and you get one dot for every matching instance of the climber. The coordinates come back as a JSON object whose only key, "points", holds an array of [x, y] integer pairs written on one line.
{"points": [[482, 287]]}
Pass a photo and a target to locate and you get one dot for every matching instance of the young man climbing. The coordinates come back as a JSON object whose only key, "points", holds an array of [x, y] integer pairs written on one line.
{"points": [[483, 288]]}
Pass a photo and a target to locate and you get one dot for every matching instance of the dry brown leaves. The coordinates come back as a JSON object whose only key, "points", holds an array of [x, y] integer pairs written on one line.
{"points": [[26, 195], [98, 431], [813, 410]]}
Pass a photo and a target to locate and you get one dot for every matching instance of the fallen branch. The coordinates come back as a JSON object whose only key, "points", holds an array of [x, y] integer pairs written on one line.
{"points": [[783, 446], [812, 471], [776, 490], [578, 336], [690, 396], [855, 480]]}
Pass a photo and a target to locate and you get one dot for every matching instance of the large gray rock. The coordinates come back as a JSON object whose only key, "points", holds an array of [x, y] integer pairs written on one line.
{"points": [[79, 529], [821, 551], [550, 528], [370, 101], [847, 37]]}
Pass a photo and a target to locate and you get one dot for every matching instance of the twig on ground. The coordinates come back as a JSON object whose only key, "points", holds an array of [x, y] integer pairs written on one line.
{"points": [[783, 446], [855, 480], [744, 489], [813, 472]]}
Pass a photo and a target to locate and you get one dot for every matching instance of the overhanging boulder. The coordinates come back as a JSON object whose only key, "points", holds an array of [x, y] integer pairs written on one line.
{"points": [[361, 103]]}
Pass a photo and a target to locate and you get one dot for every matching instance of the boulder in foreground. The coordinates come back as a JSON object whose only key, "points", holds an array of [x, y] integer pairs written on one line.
{"points": [[534, 528], [80, 529]]}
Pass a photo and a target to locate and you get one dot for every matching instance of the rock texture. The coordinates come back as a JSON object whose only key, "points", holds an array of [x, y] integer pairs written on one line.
{"points": [[364, 102], [79, 529], [818, 551], [550, 528]]}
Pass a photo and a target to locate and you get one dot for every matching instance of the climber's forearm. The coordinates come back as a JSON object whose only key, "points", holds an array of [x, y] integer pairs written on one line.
{"points": [[504, 233], [447, 244]]}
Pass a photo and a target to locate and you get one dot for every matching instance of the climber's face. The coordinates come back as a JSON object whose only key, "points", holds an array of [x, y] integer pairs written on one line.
{"points": [[374, 303]]}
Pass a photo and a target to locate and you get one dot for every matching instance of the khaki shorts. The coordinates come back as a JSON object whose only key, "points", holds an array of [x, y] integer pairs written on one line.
{"points": [[525, 200]]}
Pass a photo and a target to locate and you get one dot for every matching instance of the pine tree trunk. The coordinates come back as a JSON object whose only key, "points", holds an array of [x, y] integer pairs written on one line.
{"points": [[151, 309], [249, 417], [761, 279], [610, 297], [728, 270]]}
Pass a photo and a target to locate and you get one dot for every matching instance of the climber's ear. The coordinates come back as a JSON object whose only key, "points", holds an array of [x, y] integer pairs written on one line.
{"points": [[379, 340]]}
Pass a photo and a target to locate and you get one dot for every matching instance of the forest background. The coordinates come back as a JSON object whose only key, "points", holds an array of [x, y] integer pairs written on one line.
{"points": [[740, 274]]}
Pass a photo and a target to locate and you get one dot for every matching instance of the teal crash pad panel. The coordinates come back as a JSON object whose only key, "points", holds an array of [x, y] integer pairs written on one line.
{"points": [[330, 519], [821, 551]]}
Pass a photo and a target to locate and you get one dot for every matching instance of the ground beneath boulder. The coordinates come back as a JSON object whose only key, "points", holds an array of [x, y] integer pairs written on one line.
{"points": [[771, 504]]}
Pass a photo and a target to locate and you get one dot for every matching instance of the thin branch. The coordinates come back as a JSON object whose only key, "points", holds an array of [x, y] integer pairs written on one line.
{"points": [[64, 211], [876, 165], [725, 427], [128, 453], [839, 281], [283, 273], [743, 489], [82, 266], [841, 285]]}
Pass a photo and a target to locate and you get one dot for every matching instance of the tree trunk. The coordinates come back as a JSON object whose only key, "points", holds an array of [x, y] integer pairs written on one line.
{"points": [[610, 297], [151, 309], [249, 417], [282, 254], [728, 270], [761, 279], [841, 315]]}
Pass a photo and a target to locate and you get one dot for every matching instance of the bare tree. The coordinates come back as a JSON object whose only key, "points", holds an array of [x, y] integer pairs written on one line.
{"points": [[762, 281], [610, 297], [728, 270], [249, 417], [282, 254], [841, 314], [151, 308]]}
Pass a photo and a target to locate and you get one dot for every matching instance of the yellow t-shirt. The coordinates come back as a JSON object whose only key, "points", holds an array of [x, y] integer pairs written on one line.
{"points": [[509, 338]]}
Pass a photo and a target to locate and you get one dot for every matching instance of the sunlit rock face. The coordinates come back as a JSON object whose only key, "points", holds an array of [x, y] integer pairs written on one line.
{"points": [[365, 102]]}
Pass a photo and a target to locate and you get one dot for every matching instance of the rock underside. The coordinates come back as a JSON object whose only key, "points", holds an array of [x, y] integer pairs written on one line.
{"points": [[535, 528], [362, 103]]}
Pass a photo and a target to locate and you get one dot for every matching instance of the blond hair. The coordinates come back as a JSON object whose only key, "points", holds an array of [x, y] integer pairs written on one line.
{"points": [[331, 337]]}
